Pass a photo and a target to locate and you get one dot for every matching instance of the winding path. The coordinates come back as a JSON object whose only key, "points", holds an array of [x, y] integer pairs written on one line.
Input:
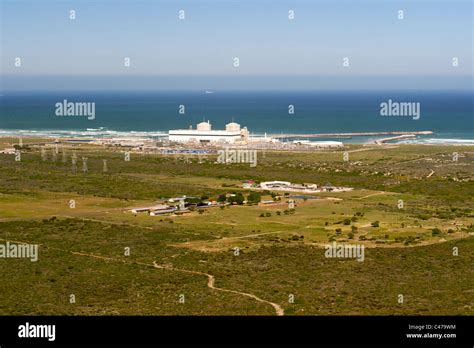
{"points": [[379, 193], [211, 281]]}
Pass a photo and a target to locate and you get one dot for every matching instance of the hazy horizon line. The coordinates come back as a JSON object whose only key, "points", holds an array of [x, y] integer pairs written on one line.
{"points": [[146, 82]]}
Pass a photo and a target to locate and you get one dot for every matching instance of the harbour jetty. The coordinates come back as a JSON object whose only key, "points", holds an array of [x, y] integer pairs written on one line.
{"points": [[345, 135], [398, 137]]}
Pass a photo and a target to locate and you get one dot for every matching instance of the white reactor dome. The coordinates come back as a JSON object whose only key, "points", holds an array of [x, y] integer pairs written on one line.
{"points": [[204, 126], [232, 127]]}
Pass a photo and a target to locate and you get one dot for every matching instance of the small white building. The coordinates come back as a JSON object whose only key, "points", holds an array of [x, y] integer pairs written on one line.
{"points": [[150, 208], [8, 151], [268, 185]]}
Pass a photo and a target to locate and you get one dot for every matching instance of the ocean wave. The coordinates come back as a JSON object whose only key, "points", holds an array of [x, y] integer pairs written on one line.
{"points": [[87, 133], [437, 141]]}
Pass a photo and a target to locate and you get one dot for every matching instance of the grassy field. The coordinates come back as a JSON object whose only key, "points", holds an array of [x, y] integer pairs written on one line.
{"points": [[239, 259]]}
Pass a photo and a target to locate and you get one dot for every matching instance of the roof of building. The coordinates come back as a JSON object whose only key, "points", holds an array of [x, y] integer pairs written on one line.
{"points": [[202, 132]]}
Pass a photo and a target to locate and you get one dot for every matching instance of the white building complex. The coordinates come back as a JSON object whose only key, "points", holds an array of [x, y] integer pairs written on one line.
{"points": [[309, 188], [205, 134]]}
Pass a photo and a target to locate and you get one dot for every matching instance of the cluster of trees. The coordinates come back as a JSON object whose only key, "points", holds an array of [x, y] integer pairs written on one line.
{"points": [[239, 198], [254, 198], [195, 200], [286, 212]]}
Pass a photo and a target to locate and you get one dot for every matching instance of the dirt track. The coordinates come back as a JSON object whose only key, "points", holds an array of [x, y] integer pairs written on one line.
{"points": [[210, 283]]}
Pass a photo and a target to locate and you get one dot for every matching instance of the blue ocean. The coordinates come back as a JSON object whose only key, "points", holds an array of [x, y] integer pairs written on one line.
{"points": [[448, 114]]}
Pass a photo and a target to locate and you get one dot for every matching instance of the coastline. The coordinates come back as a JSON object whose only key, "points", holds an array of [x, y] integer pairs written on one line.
{"points": [[353, 138]]}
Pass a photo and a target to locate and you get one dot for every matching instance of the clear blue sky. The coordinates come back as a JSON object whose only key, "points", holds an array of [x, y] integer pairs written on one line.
{"points": [[258, 32]]}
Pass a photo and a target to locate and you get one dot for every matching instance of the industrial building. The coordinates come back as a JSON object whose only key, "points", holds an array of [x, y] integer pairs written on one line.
{"points": [[205, 134]]}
